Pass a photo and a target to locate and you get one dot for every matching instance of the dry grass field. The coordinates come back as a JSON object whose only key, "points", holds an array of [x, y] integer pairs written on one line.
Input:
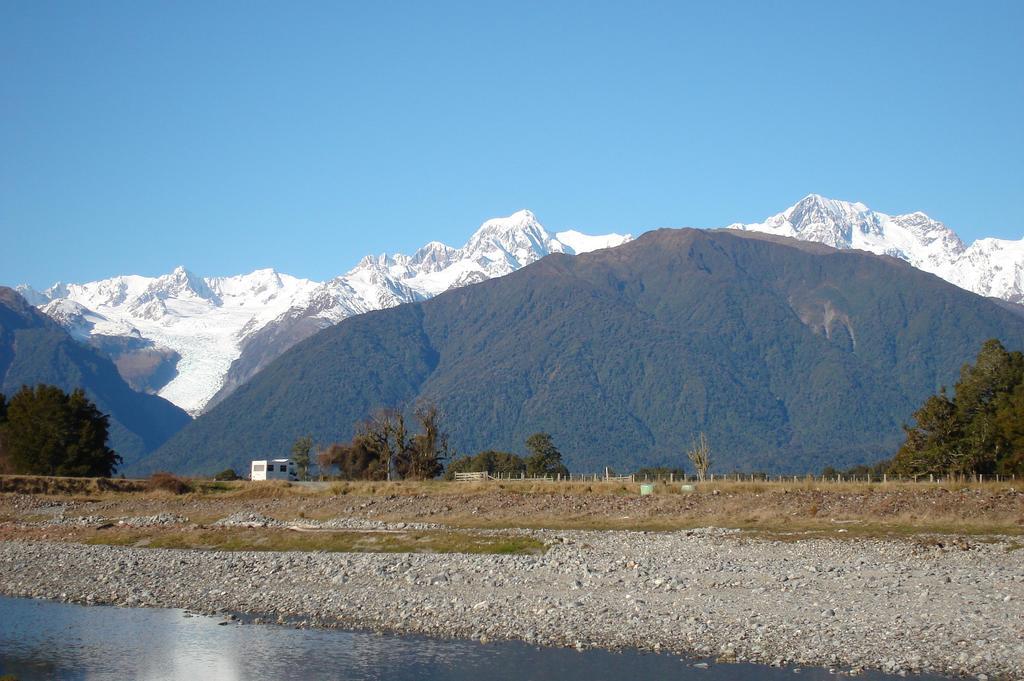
{"points": [[800, 508]]}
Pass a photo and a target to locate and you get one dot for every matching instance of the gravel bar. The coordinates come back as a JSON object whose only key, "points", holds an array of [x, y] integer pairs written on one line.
{"points": [[944, 605]]}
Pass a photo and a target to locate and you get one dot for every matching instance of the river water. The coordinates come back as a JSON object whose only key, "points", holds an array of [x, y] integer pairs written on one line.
{"points": [[49, 640]]}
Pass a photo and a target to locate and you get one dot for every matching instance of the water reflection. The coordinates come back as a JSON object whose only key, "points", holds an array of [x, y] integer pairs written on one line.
{"points": [[46, 640]]}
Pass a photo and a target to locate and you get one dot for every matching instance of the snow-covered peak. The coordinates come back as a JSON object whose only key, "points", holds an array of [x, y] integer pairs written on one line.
{"points": [[259, 288], [31, 295], [180, 283], [432, 257], [991, 267], [75, 317], [256, 282], [58, 290], [822, 205], [498, 247], [827, 221], [510, 243], [521, 221], [81, 322]]}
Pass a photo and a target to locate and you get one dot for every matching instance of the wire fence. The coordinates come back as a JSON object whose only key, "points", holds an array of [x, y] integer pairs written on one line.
{"points": [[672, 478]]}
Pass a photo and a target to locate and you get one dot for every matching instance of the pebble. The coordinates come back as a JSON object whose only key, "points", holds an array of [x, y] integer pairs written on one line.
{"points": [[705, 593]]}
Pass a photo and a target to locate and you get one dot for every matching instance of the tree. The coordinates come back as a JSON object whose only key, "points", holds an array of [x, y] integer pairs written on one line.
{"points": [[48, 432], [994, 374], [489, 461], [700, 456], [385, 433], [427, 449], [1009, 420], [375, 452], [300, 455], [357, 460], [979, 430], [933, 444], [544, 459], [383, 448]]}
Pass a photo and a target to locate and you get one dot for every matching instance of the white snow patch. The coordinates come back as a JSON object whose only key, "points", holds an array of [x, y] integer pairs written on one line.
{"points": [[577, 242]]}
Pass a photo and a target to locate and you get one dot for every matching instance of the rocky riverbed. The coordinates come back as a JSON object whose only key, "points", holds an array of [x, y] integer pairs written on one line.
{"points": [[948, 605]]}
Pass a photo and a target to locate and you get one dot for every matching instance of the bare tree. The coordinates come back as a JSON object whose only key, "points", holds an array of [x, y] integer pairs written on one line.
{"points": [[428, 448], [700, 455], [386, 430]]}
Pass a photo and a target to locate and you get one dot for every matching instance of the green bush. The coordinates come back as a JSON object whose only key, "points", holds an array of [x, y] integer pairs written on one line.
{"points": [[227, 474]]}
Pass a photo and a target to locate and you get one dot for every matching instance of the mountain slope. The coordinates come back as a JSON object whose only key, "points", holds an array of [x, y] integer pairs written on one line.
{"points": [[790, 355], [193, 340], [34, 349]]}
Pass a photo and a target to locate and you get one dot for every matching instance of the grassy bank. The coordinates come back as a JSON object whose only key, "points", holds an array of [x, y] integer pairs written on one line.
{"points": [[260, 539]]}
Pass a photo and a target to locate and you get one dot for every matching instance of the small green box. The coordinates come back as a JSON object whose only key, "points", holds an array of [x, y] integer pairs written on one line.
{"points": [[646, 488]]}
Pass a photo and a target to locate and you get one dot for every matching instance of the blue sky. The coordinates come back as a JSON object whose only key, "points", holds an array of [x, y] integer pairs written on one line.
{"points": [[231, 136]]}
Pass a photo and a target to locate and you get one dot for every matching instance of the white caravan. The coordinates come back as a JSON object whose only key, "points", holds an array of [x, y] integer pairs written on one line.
{"points": [[273, 469]]}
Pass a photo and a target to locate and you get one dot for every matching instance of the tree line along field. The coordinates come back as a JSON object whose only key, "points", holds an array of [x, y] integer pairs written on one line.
{"points": [[978, 431]]}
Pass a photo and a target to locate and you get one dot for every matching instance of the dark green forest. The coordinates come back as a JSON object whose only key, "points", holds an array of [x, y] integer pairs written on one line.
{"points": [[46, 431], [791, 356], [543, 460]]}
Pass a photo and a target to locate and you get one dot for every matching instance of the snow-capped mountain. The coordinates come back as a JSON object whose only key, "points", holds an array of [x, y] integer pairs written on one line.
{"points": [[193, 340], [211, 323], [197, 320], [499, 247], [990, 267]]}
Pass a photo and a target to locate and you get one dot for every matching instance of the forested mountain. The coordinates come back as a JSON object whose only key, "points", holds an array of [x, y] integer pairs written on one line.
{"points": [[193, 340], [34, 349], [790, 355]]}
